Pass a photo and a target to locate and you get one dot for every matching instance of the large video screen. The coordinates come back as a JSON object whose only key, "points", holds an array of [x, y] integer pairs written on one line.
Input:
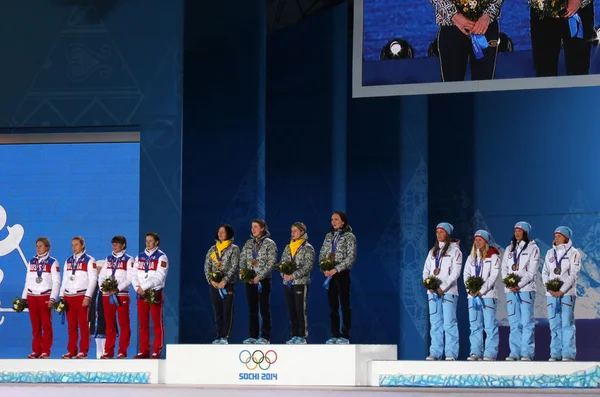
{"points": [[60, 191], [404, 47]]}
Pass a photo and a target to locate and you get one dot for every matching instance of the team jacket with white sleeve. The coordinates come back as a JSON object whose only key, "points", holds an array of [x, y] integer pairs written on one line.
{"points": [[150, 270], [50, 274], [570, 265], [528, 259], [490, 269], [80, 276], [450, 267], [120, 266]]}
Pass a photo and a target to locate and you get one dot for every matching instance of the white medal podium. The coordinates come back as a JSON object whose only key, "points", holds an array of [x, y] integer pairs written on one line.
{"points": [[283, 365]]}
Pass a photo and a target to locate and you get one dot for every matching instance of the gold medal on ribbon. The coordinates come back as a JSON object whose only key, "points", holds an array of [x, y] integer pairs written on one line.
{"points": [[515, 267], [436, 271], [557, 271], [331, 256], [254, 262], [219, 264]]}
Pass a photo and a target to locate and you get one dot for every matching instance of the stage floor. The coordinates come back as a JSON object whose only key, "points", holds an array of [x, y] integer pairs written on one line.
{"points": [[92, 390]]}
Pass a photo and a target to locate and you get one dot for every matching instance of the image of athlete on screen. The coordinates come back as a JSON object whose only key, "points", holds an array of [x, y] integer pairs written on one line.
{"points": [[468, 34], [567, 24]]}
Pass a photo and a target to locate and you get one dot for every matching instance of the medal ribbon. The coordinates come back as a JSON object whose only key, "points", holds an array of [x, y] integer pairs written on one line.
{"points": [[561, 258], [576, 26], [438, 259], [335, 239], [114, 300], [256, 248], [478, 266], [40, 263], [115, 264], [477, 303], [147, 262], [479, 43], [74, 263], [516, 257]]}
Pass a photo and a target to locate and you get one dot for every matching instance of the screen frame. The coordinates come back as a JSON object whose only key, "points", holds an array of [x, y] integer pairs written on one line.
{"points": [[70, 137], [529, 83]]}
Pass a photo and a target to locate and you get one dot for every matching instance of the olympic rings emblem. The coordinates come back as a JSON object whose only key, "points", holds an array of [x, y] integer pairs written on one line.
{"points": [[258, 359]]}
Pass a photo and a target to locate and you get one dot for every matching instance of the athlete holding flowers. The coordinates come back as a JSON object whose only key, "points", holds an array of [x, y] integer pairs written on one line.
{"points": [[480, 274], [444, 262]]}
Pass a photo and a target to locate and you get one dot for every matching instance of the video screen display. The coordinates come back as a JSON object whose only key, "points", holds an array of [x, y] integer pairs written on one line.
{"points": [[404, 47], [60, 191]]}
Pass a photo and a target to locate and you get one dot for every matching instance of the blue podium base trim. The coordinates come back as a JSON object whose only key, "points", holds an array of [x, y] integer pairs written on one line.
{"points": [[74, 377], [589, 378]]}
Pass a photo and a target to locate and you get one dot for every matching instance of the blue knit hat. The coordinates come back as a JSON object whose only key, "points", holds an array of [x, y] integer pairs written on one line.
{"points": [[445, 226], [524, 226], [484, 235], [565, 231]]}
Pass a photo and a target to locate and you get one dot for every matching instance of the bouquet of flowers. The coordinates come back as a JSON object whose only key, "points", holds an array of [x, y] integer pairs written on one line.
{"points": [[549, 8], [432, 283], [327, 264], [471, 9], [110, 285], [511, 280], [60, 306], [19, 304], [474, 284], [151, 297], [216, 276], [287, 268], [247, 275], [554, 285]]}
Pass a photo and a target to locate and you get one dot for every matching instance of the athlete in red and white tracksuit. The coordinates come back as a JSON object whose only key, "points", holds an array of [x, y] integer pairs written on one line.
{"points": [[150, 272], [120, 266], [42, 285], [78, 285]]}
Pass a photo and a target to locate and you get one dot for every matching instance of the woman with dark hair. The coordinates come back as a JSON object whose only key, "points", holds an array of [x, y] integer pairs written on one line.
{"points": [[223, 257], [260, 254], [340, 246], [562, 262], [444, 261], [150, 273], [521, 257], [296, 285], [119, 266]]}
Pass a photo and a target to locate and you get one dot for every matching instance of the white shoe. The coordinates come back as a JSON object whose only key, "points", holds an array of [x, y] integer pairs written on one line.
{"points": [[431, 358], [489, 359], [301, 341], [568, 359], [554, 359], [249, 341], [223, 341], [216, 342], [525, 358], [511, 358], [332, 341], [342, 341], [262, 341], [473, 357], [450, 359]]}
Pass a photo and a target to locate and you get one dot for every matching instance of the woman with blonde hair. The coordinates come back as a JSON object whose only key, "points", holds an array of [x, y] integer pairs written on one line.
{"points": [[484, 262]]}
